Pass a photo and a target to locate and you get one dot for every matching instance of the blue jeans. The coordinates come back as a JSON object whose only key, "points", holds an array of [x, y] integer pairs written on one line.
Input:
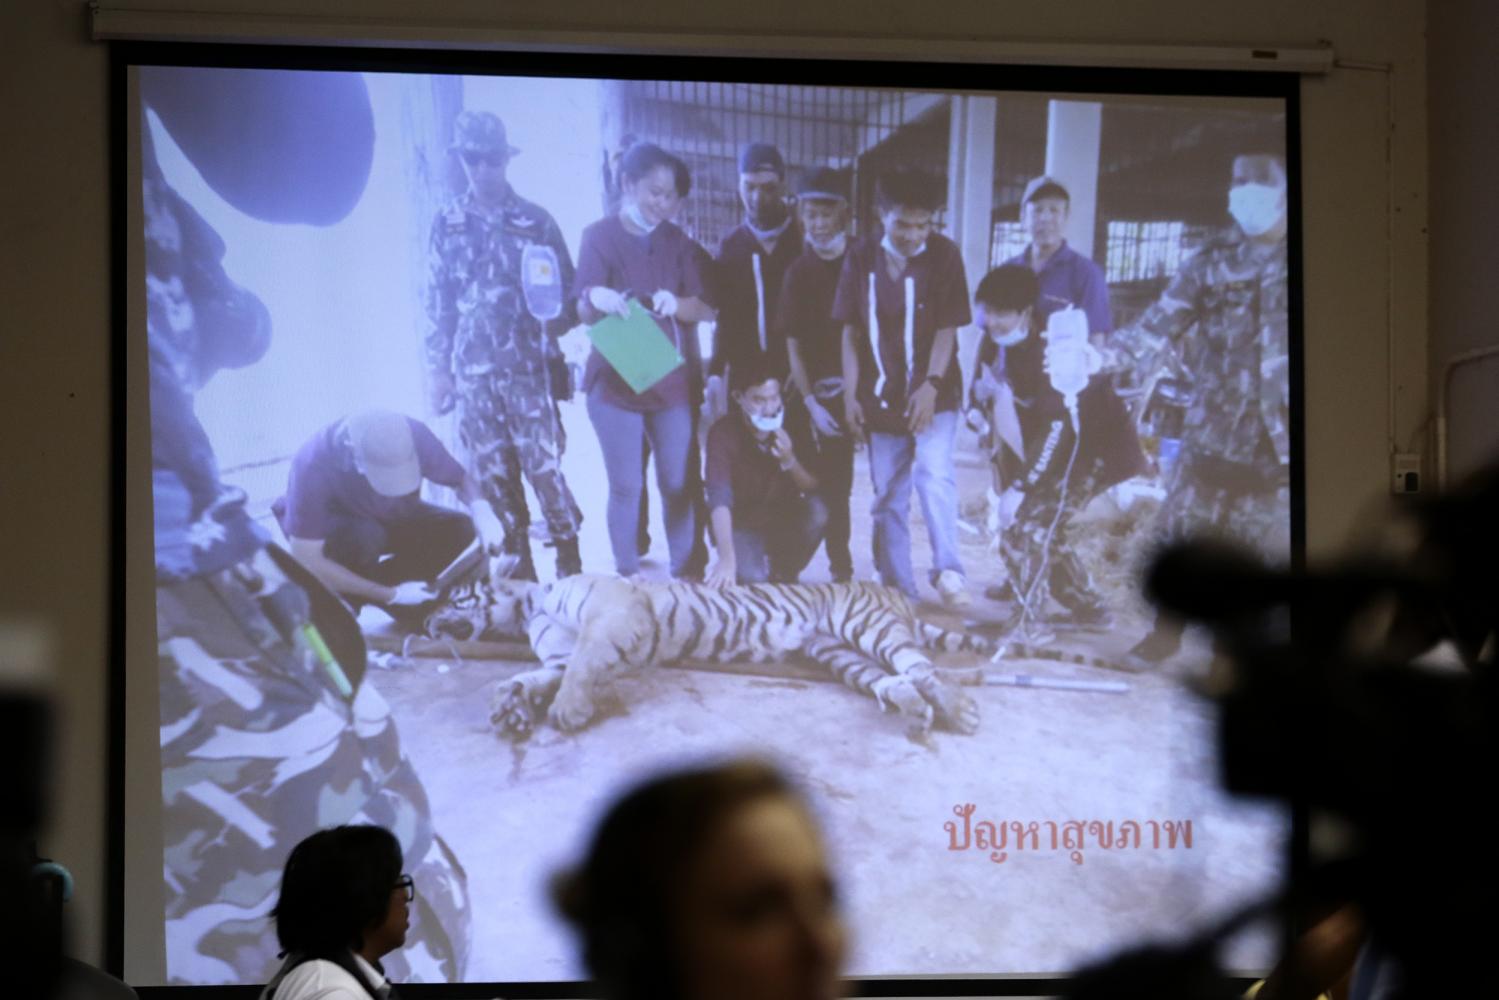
{"points": [[779, 551], [892, 458], [622, 433]]}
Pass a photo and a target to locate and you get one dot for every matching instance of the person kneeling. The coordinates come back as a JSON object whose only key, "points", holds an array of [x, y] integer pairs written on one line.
{"points": [[354, 514], [767, 518]]}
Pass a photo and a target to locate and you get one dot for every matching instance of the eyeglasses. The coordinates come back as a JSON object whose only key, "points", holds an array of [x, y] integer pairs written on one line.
{"points": [[407, 885], [474, 157]]}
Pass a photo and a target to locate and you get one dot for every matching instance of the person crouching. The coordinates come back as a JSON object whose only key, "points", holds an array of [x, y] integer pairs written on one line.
{"points": [[766, 516]]}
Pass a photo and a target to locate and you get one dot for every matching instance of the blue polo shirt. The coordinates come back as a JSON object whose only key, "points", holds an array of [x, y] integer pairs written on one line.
{"points": [[1069, 278]]}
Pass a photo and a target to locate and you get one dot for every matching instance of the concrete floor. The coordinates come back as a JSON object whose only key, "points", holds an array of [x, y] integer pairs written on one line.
{"points": [[515, 813]]}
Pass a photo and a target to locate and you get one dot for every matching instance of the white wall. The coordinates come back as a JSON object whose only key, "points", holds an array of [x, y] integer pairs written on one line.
{"points": [[54, 258], [1463, 47]]}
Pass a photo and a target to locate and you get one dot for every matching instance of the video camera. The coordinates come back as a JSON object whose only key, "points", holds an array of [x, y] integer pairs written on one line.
{"points": [[1362, 691]]}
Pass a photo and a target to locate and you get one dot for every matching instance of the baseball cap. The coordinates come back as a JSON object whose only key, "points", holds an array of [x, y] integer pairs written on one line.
{"points": [[824, 182], [385, 452], [1045, 186], [759, 156]]}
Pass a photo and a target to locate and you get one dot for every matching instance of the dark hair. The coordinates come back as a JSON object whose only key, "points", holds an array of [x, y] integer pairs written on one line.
{"points": [[756, 370], [907, 188], [335, 887], [681, 175], [1010, 287], [643, 157], [619, 900]]}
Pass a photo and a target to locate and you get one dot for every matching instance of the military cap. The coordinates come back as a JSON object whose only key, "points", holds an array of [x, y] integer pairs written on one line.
{"points": [[481, 132]]}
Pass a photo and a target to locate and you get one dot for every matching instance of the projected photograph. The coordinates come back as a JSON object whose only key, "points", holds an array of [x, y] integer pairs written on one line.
{"points": [[514, 437]]}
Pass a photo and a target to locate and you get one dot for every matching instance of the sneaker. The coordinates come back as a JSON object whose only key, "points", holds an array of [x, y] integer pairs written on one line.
{"points": [[1160, 644], [999, 592], [953, 588]]}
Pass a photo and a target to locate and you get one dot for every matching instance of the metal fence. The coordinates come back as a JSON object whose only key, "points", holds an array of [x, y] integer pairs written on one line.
{"points": [[706, 124]]}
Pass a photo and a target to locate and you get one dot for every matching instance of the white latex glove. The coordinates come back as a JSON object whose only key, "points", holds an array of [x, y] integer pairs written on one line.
{"points": [[412, 593], [715, 400], [491, 532], [607, 300], [976, 421], [1009, 503], [822, 421], [664, 303]]}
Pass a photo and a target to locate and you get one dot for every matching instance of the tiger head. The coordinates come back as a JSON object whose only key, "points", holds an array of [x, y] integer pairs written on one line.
{"points": [[492, 608]]}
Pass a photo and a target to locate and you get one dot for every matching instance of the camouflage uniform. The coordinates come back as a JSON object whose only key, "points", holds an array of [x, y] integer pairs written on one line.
{"points": [[1232, 472], [483, 336], [261, 742]]}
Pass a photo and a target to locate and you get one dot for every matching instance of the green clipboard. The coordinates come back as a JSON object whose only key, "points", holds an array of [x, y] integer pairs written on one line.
{"points": [[636, 348]]}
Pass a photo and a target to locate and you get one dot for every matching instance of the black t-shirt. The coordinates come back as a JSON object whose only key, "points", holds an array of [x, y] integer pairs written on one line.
{"points": [[744, 476], [1108, 433], [737, 336], [805, 313], [940, 294]]}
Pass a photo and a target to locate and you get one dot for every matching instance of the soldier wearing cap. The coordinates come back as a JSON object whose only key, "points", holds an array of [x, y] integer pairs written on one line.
{"points": [[804, 320], [752, 262], [497, 298], [1223, 323], [354, 515]]}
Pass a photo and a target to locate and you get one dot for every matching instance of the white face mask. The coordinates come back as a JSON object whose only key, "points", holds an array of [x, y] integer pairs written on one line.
{"points": [[633, 213], [767, 425], [831, 247], [1257, 207], [900, 257], [1012, 338]]}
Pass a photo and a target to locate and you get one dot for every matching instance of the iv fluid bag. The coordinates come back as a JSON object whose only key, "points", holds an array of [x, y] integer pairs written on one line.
{"points": [[1069, 358], [541, 281]]}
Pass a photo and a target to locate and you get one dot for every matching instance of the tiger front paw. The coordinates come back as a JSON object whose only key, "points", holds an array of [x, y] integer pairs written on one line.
{"points": [[954, 708], [520, 703], [510, 711], [898, 694]]}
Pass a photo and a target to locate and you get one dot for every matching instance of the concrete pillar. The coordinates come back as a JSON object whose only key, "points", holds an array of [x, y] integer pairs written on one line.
{"points": [[1073, 129], [970, 197]]}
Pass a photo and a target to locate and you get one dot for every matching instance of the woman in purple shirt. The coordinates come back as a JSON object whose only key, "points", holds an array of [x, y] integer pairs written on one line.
{"points": [[640, 254]]}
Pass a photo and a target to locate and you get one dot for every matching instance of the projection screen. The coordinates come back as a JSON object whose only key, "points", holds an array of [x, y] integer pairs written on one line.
{"points": [[316, 248]]}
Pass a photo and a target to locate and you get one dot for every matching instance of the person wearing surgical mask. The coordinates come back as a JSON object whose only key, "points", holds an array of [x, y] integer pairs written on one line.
{"points": [[804, 318], [1046, 469], [1222, 324], [767, 519], [901, 300], [639, 254], [752, 262]]}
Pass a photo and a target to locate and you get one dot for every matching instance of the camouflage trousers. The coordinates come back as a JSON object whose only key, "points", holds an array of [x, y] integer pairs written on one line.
{"points": [[1035, 543], [1244, 504], [509, 426], [263, 741]]}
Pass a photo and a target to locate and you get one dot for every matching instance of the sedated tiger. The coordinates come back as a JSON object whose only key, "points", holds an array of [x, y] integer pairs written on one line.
{"points": [[585, 629]]}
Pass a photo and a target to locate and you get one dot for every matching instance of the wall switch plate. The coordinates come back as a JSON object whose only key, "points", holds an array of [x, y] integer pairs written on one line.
{"points": [[1405, 472]]}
